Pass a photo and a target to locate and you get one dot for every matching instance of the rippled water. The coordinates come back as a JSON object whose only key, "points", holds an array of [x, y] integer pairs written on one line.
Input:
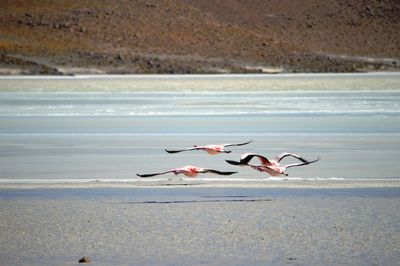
{"points": [[112, 128], [295, 103]]}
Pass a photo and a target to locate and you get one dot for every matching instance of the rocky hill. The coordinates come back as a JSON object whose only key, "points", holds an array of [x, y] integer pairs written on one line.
{"points": [[191, 36]]}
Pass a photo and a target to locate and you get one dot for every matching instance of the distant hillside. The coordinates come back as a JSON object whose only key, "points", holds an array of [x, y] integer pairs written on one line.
{"points": [[192, 36]]}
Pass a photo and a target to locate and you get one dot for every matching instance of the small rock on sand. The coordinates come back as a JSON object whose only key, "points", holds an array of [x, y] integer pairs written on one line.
{"points": [[85, 259]]}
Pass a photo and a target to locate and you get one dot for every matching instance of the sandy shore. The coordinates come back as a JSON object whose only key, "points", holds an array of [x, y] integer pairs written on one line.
{"points": [[199, 183], [198, 83], [200, 226]]}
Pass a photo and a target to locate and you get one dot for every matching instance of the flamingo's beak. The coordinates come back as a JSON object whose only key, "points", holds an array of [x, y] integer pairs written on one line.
{"points": [[227, 151]]}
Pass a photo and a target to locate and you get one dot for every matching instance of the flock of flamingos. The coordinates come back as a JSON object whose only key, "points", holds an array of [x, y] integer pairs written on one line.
{"points": [[272, 167]]}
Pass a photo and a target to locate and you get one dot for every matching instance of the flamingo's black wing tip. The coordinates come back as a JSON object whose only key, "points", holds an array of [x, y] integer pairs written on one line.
{"points": [[219, 172], [172, 151], [229, 173], [233, 162], [144, 175], [248, 142], [316, 160]]}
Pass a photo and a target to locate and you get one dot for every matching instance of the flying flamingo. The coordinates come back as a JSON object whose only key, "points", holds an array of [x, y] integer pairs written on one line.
{"points": [[211, 149], [189, 171], [272, 167]]}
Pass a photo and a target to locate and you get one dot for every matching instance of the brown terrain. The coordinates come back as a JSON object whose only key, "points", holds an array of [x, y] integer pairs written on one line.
{"points": [[192, 36]]}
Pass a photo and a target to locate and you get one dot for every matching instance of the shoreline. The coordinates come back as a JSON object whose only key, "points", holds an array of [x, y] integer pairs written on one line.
{"points": [[202, 183], [203, 83], [189, 76]]}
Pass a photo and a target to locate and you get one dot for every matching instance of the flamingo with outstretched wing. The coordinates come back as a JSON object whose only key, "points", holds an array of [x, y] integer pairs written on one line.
{"points": [[272, 167], [211, 149], [189, 171]]}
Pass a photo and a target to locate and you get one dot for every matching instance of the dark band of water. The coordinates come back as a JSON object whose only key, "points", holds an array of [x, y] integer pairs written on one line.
{"points": [[192, 195]]}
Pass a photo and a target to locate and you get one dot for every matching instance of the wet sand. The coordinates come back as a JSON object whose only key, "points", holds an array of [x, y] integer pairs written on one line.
{"points": [[207, 226]]}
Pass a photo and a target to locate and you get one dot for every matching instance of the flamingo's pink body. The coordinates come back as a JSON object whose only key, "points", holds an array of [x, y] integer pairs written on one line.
{"points": [[189, 171], [212, 149], [272, 170], [272, 167]]}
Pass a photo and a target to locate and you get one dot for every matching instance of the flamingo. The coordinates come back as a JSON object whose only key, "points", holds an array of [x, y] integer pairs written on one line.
{"points": [[272, 167], [189, 171], [211, 149]]}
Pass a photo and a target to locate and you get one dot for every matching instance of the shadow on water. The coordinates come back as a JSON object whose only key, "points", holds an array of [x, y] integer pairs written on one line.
{"points": [[198, 201], [190, 194], [229, 196]]}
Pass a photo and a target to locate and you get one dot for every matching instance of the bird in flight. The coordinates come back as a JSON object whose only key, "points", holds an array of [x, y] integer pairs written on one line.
{"points": [[189, 171], [211, 149], [273, 167]]}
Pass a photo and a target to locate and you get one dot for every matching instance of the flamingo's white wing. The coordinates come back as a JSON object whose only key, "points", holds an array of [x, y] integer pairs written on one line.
{"points": [[286, 154], [237, 144], [301, 164]]}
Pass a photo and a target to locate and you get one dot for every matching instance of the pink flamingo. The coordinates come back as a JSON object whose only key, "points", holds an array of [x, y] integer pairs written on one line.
{"points": [[189, 171], [211, 149], [272, 167]]}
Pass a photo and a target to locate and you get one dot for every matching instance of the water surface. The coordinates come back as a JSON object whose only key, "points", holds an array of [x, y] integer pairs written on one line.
{"points": [[114, 127]]}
